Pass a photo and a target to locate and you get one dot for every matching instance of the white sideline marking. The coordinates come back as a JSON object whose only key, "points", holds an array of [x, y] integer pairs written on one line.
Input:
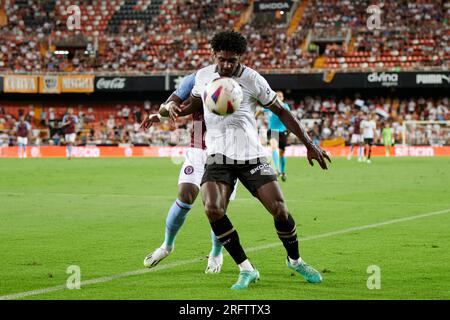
{"points": [[184, 262]]}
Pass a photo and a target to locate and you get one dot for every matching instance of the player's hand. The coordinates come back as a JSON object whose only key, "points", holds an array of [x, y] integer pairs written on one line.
{"points": [[148, 122], [318, 154], [174, 110]]}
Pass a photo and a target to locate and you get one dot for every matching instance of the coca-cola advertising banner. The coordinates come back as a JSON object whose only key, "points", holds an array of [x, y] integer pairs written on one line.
{"points": [[130, 84]]}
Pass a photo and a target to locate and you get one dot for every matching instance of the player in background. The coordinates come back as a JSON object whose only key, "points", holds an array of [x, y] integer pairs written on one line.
{"points": [[189, 179], [368, 127], [245, 157], [23, 131], [388, 137], [277, 137], [69, 123], [356, 138]]}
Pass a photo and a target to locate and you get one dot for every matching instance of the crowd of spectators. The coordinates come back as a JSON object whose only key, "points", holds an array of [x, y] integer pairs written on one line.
{"points": [[325, 118], [176, 38]]}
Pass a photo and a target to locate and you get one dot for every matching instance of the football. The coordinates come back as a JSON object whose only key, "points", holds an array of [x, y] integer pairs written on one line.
{"points": [[222, 96]]}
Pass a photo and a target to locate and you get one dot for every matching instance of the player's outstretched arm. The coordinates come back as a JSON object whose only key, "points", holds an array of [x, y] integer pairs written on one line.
{"points": [[291, 123], [172, 108]]}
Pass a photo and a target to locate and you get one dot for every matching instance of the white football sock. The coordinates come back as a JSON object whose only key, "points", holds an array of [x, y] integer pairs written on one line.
{"points": [[295, 262], [246, 266], [166, 247]]}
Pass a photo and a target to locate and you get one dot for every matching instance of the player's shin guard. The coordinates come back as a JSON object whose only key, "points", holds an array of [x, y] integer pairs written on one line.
{"points": [[174, 221], [287, 232], [229, 238]]}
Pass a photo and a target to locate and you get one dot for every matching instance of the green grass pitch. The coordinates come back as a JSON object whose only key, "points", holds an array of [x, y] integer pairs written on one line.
{"points": [[105, 215]]}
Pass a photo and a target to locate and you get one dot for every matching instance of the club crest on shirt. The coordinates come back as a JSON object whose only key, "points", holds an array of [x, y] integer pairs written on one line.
{"points": [[189, 170]]}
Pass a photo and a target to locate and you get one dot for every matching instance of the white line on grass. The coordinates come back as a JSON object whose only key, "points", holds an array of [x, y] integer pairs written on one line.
{"points": [[185, 262]]}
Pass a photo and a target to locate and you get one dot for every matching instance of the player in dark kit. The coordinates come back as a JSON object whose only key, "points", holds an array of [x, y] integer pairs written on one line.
{"points": [[243, 157]]}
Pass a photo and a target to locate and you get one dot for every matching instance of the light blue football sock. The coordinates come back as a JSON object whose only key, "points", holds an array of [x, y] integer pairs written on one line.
{"points": [[276, 159], [217, 246], [69, 151], [283, 164], [175, 219]]}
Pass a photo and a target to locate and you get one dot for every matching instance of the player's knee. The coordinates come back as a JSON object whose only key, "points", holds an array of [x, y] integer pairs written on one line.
{"points": [[214, 212], [186, 197], [273, 144], [279, 210], [187, 193]]}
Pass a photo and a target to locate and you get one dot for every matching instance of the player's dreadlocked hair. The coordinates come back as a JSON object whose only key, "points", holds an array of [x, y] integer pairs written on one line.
{"points": [[229, 41]]}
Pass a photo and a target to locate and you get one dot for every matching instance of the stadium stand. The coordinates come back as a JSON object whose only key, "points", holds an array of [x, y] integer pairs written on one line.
{"points": [[106, 124], [155, 36], [171, 36]]}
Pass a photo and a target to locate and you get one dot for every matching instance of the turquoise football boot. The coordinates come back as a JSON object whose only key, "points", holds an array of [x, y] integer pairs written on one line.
{"points": [[245, 278], [306, 271]]}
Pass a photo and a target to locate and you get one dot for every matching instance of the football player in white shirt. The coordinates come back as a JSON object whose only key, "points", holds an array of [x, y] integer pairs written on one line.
{"points": [[189, 180], [235, 152], [368, 127]]}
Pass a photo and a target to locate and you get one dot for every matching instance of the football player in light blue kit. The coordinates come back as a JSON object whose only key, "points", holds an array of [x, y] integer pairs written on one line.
{"points": [[277, 137], [189, 180]]}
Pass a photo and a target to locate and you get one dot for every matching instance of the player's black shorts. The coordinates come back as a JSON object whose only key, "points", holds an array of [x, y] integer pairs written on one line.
{"points": [[280, 136], [368, 141], [252, 173]]}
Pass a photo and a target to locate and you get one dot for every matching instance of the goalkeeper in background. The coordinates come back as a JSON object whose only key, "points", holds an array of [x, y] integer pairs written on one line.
{"points": [[387, 137]]}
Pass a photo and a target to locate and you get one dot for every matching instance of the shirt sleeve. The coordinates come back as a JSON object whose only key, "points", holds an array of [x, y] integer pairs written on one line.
{"points": [[196, 90], [184, 89], [263, 92]]}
